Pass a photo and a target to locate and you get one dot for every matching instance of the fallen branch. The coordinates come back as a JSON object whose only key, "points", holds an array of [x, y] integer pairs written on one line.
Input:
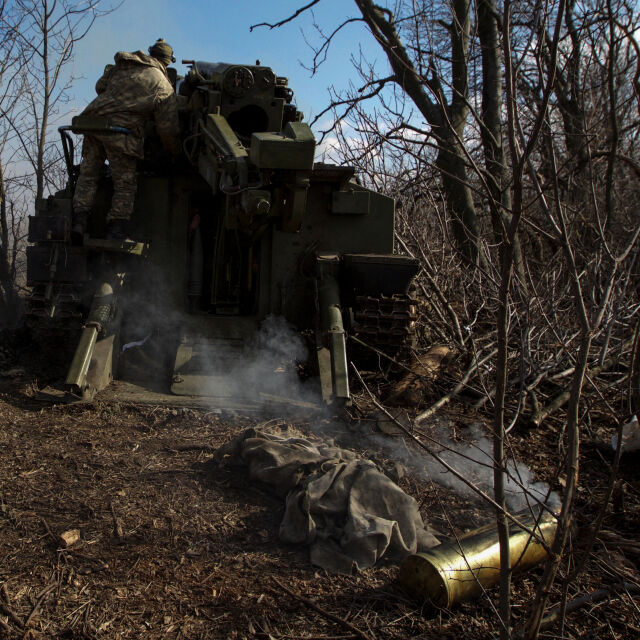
{"points": [[543, 413], [39, 600], [612, 539], [323, 612], [475, 365], [556, 613], [11, 614]]}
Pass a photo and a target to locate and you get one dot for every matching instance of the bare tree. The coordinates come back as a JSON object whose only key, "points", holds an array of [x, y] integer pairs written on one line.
{"points": [[9, 218], [47, 32], [539, 103], [37, 41], [435, 81]]}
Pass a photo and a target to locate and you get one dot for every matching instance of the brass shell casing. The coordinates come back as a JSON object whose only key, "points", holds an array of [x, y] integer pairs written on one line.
{"points": [[460, 570]]}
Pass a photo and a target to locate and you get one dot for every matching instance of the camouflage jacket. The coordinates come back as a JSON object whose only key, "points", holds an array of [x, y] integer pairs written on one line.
{"points": [[131, 92]]}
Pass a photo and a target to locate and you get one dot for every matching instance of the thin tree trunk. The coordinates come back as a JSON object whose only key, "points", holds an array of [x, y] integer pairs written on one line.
{"points": [[447, 120], [42, 138], [7, 284], [613, 115], [572, 470], [491, 131], [451, 163]]}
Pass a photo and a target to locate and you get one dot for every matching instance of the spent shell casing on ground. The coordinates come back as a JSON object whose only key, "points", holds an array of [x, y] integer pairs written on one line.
{"points": [[462, 569]]}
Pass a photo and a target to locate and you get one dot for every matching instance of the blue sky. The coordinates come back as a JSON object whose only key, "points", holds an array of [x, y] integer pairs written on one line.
{"points": [[218, 31]]}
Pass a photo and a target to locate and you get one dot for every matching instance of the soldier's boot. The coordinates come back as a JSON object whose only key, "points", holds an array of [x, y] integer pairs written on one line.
{"points": [[118, 230], [79, 226]]}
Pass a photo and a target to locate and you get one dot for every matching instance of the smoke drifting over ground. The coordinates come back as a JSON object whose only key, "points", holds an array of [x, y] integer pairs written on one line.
{"points": [[242, 368], [267, 370], [472, 459], [263, 373], [231, 360]]}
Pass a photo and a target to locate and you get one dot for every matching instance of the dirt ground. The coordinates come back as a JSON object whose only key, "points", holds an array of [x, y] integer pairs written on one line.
{"points": [[173, 547]]}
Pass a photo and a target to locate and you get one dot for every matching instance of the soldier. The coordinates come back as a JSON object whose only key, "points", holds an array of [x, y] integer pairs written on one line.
{"points": [[133, 91]]}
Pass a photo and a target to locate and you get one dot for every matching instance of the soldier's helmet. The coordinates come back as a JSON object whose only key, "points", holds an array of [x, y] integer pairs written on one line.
{"points": [[162, 51]]}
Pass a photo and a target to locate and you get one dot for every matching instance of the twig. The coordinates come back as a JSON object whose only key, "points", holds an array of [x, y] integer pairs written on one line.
{"points": [[436, 289], [12, 615], [39, 600], [190, 447], [6, 627], [117, 523], [556, 613], [475, 365], [48, 529], [539, 416], [25, 474], [633, 391], [323, 612], [382, 354], [285, 20], [346, 636]]}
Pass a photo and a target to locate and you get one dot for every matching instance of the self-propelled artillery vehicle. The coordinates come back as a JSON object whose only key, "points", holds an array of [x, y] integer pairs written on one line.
{"points": [[245, 226]]}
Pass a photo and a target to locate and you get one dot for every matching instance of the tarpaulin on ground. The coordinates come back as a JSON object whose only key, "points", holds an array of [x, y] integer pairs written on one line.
{"points": [[349, 512]]}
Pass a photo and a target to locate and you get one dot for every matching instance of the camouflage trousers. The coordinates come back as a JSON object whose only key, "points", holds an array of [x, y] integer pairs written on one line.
{"points": [[95, 150]]}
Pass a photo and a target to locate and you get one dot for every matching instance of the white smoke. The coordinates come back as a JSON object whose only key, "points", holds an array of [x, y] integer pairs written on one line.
{"points": [[269, 369], [472, 459], [265, 373]]}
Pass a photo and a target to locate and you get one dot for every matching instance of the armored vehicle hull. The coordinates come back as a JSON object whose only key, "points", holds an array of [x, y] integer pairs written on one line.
{"points": [[244, 227]]}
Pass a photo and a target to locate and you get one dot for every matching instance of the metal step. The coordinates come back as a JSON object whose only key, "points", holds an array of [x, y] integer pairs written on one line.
{"points": [[209, 350], [223, 359]]}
